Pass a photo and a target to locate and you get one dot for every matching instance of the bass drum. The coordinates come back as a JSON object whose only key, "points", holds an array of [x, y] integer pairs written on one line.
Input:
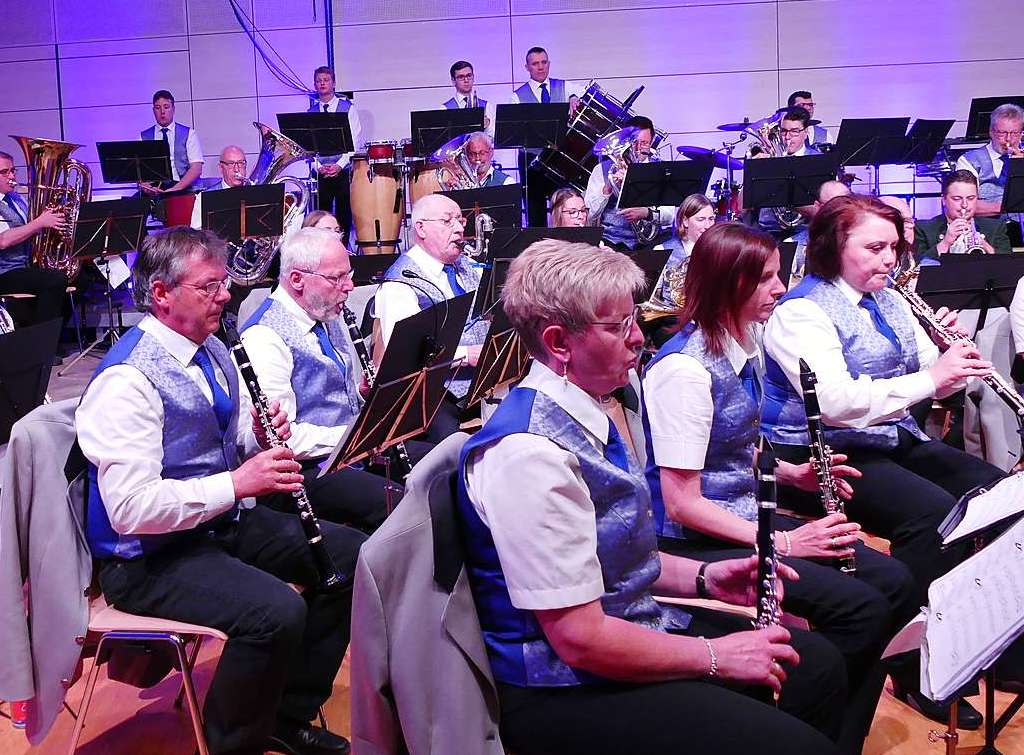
{"points": [[377, 204]]}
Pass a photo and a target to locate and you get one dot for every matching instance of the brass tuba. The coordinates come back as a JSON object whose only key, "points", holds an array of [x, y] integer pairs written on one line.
{"points": [[249, 261], [618, 146], [769, 141], [58, 183], [454, 171]]}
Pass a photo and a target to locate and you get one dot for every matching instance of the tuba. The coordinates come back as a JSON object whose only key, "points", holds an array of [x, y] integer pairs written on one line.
{"points": [[769, 141], [58, 183], [618, 147], [454, 171], [249, 261]]}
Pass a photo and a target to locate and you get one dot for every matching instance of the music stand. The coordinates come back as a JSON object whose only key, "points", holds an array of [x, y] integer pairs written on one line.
{"points": [[971, 282], [870, 141], [652, 262], [135, 162], [321, 133], [432, 129], [245, 212], [368, 268], [786, 181], [26, 358], [503, 203], [503, 359], [925, 139], [656, 184], [980, 115], [409, 386], [531, 127], [1013, 193]]}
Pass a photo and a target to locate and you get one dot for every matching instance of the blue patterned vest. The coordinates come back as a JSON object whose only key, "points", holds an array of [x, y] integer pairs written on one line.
{"points": [[866, 351], [990, 186], [324, 394], [475, 331], [193, 443], [556, 87], [615, 228], [679, 258], [179, 152], [497, 178], [15, 256], [728, 475], [453, 104], [627, 547], [344, 105], [816, 135]]}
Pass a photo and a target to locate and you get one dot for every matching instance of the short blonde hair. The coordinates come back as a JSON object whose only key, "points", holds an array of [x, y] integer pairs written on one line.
{"points": [[564, 283]]}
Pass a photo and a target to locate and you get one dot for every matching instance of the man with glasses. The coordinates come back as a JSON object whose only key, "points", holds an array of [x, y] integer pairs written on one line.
{"points": [[464, 81], [793, 137], [176, 465], [306, 361], [432, 270], [990, 163], [816, 134], [480, 156], [232, 166]]}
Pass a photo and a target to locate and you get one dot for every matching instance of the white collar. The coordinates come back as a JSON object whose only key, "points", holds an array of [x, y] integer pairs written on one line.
{"points": [[737, 355], [331, 103], [993, 154], [576, 402], [427, 263], [158, 129], [536, 84], [848, 291], [802, 151], [178, 346], [284, 298]]}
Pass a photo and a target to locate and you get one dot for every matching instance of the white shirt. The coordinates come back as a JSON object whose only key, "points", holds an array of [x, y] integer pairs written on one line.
{"points": [[120, 429], [193, 150], [463, 101], [273, 362], [197, 207], [597, 201], [572, 89], [354, 124], [530, 493], [799, 328], [508, 179], [963, 163], [680, 407]]}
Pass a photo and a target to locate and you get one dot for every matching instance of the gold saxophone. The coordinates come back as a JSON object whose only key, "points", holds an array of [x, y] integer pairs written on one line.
{"points": [[57, 183]]}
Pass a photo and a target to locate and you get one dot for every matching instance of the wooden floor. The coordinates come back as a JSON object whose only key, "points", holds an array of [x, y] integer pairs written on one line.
{"points": [[128, 721]]}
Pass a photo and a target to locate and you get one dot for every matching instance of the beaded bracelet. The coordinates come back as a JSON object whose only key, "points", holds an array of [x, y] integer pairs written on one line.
{"points": [[713, 671]]}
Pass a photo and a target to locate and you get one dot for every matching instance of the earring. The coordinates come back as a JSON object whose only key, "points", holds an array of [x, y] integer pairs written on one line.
{"points": [[565, 374]]}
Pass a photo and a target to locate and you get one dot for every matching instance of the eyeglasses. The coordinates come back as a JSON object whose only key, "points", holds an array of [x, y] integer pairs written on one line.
{"points": [[1007, 134], [234, 163], [463, 77], [210, 289], [334, 280], [791, 131], [573, 213], [457, 220], [626, 325], [8, 171]]}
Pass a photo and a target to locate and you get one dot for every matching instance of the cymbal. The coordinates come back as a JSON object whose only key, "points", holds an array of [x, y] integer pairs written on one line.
{"points": [[710, 156], [744, 125]]}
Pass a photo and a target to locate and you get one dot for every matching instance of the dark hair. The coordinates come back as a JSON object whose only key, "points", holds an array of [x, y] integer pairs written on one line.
{"points": [[324, 69], [958, 176], [797, 113], [725, 268], [834, 222], [163, 94], [533, 50], [6, 156], [458, 65], [641, 121], [802, 94]]}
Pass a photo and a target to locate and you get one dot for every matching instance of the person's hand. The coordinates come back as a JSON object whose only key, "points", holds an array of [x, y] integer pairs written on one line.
{"points": [[52, 219], [989, 249], [829, 537], [755, 657], [364, 386], [574, 105], [273, 471], [960, 362], [804, 477], [330, 169], [279, 421], [633, 214], [949, 321], [487, 122], [735, 580], [473, 355]]}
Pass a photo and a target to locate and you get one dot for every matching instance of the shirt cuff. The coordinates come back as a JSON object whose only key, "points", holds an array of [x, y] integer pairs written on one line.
{"points": [[563, 597], [921, 386], [680, 453], [219, 492]]}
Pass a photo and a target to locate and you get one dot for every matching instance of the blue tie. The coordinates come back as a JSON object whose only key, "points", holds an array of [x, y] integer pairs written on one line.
{"points": [[453, 280], [1005, 160], [545, 97], [328, 348], [615, 449], [869, 303], [221, 400], [751, 382]]}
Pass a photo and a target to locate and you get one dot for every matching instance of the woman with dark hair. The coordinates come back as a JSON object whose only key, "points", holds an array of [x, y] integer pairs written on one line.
{"points": [[873, 361], [701, 414], [568, 210]]}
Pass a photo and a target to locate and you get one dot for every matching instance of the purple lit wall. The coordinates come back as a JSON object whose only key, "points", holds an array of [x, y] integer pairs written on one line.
{"points": [[84, 70]]}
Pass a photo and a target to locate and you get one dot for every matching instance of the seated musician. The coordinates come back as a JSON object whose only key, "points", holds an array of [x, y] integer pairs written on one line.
{"points": [[171, 518], [990, 163], [464, 81], [873, 361], [568, 210], [480, 156], [793, 129], [959, 230], [332, 170], [186, 152], [604, 186], [563, 559], [437, 270], [702, 394], [816, 134], [694, 216], [322, 219], [232, 165], [826, 191]]}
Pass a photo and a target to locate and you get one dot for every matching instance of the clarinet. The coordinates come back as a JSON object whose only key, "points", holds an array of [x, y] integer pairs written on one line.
{"points": [[401, 453], [769, 610], [821, 457], [327, 571]]}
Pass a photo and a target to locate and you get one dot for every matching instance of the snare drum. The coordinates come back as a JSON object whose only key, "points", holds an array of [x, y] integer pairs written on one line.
{"points": [[377, 205], [379, 153]]}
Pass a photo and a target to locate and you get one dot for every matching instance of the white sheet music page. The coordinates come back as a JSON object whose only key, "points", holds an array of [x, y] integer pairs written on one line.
{"points": [[1003, 499]]}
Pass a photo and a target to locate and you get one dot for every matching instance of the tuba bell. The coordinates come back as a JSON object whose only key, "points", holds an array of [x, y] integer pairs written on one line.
{"points": [[249, 261], [454, 171], [769, 141], [618, 146], [57, 183]]}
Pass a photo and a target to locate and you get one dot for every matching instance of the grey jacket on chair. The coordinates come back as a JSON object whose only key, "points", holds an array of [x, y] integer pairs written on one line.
{"points": [[421, 681], [42, 540]]}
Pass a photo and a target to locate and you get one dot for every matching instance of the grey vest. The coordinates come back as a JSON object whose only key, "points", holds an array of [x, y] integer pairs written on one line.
{"points": [[453, 104], [556, 87], [990, 186], [16, 256], [179, 151]]}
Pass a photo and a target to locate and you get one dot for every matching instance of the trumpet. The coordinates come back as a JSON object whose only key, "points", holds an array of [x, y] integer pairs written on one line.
{"points": [[969, 241]]}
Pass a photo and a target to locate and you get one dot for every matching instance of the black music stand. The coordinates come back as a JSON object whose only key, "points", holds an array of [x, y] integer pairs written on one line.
{"points": [[656, 184], [245, 212], [925, 139], [432, 129], [652, 262], [871, 141], [530, 128], [321, 133], [503, 360], [503, 203], [980, 115], [1013, 194], [971, 282], [409, 386], [786, 181], [26, 358], [135, 162], [367, 269]]}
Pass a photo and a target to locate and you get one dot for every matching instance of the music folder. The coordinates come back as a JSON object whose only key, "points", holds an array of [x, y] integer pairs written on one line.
{"points": [[786, 181], [503, 359], [133, 162], [245, 212], [531, 126], [502, 203], [661, 183], [870, 141], [110, 227]]}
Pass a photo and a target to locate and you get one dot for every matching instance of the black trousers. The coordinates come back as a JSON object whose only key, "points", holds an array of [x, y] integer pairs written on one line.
{"points": [[333, 196], [284, 649], [858, 615], [683, 716], [48, 287]]}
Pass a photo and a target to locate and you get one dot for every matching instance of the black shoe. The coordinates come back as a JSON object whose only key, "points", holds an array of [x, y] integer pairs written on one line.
{"points": [[967, 716], [1009, 685], [306, 739]]}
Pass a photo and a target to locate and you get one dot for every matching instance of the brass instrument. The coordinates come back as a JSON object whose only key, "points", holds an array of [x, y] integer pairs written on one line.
{"points": [[249, 261], [454, 169], [58, 183], [620, 147], [769, 141], [968, 243], [667, 297]]}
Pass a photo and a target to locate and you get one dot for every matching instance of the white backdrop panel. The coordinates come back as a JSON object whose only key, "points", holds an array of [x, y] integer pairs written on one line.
{"points": [[222, 65], [28, 85], [120, 80], [303, 49]]}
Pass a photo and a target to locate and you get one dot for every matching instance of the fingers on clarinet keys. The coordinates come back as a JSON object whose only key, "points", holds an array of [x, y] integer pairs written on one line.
{"points": [[273, 471]]}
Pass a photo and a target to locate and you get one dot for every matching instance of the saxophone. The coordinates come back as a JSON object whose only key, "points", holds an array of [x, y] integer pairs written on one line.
{"points": [[821, 457], [769, 607]]}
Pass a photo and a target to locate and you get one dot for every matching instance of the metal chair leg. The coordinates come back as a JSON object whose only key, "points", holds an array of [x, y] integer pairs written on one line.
{"points": [[190, 694], [76, 734], [193, 653]]}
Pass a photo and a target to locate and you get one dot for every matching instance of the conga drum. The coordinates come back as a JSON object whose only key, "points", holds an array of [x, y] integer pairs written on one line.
{"points": [[377, 204], [423, 179]]}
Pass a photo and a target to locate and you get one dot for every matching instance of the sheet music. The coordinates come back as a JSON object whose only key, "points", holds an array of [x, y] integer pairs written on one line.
{"points": [[115, 269], [1002, 500]]}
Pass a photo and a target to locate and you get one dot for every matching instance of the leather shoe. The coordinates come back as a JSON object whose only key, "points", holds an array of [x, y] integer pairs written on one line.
{"points": [[306, 739], [967, 716], [1009, 685]]}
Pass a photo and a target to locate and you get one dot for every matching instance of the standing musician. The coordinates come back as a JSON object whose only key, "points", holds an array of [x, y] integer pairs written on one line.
{"points": [[332, 171], [702, 394], [480, 155], [989, 163], [563, 560], [464, 81], [432, 270], [958, 230], [231, 165], [568, 209], [604, 186], [305, 360], [183, 142], [873, 360], [815, 134], [171, 518]]}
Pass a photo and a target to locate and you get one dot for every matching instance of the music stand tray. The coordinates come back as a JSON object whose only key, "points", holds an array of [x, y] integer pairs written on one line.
{"points": [[368, 268], [432, 129], [657, 184], [502, 203], [1013, 194], [980, 114], [26, 358], [145, 160], [531, 126], [503, 359], [870, 141], [786, 181], [976, 281], [321, 133], [244, 212]]}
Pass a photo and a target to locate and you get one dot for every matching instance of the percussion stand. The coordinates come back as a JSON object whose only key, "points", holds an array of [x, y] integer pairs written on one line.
{"points": [[728, 148]]}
